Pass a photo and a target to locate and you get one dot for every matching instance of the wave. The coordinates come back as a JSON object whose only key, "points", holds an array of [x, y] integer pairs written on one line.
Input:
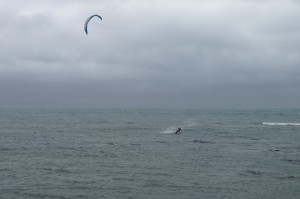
{"points": [[280, 124], [201, 141]]}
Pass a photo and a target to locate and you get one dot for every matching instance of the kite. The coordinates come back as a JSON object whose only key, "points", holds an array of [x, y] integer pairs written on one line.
{"points": [[88, 20]]}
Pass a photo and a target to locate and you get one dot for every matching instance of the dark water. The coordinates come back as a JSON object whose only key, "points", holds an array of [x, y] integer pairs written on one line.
{"points": [[97, 153]]}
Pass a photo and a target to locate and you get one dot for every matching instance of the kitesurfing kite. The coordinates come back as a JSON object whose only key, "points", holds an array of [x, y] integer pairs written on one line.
{"points": [[87, 21]]}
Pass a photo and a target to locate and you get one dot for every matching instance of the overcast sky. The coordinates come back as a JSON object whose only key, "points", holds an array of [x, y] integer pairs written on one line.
{"points": [[150, 53]]}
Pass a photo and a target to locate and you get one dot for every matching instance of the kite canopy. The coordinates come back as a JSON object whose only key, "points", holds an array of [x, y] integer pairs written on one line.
{"points": [[88, 20]]}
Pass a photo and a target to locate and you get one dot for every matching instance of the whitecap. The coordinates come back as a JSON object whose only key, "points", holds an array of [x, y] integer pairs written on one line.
{"points": [[280, 124]]}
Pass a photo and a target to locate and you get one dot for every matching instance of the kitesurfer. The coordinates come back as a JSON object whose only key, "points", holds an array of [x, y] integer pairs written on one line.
{"points": [[177, 131]]}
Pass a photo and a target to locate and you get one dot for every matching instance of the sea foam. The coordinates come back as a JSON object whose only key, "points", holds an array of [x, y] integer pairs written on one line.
{"points": [[281, 124]]}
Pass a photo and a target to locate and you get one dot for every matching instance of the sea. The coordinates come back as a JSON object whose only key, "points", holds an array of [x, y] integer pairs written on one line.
{"points": [[78, 153]]}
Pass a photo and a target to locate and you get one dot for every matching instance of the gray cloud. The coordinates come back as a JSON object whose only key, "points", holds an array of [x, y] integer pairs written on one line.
{"points": [[151, 53]]}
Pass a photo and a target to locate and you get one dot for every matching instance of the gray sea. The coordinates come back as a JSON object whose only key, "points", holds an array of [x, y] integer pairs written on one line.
{"points": [[69, 153]]}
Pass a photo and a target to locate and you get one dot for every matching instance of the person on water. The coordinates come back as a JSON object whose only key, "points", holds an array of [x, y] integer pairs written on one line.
{"points": [[177, 131]]}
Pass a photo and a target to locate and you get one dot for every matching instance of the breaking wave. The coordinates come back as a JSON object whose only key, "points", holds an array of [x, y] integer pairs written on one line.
{"points": [[280, 124]]}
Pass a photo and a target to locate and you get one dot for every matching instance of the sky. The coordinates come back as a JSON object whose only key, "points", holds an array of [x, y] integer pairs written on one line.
{"points": [[151, 53]]}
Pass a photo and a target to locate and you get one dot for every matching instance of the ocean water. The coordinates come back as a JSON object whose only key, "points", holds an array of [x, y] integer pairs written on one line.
{"points": [[69, 153]]}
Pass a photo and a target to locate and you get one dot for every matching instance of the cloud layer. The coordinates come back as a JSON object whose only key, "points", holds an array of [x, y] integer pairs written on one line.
{"points": [[183, 53]]}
